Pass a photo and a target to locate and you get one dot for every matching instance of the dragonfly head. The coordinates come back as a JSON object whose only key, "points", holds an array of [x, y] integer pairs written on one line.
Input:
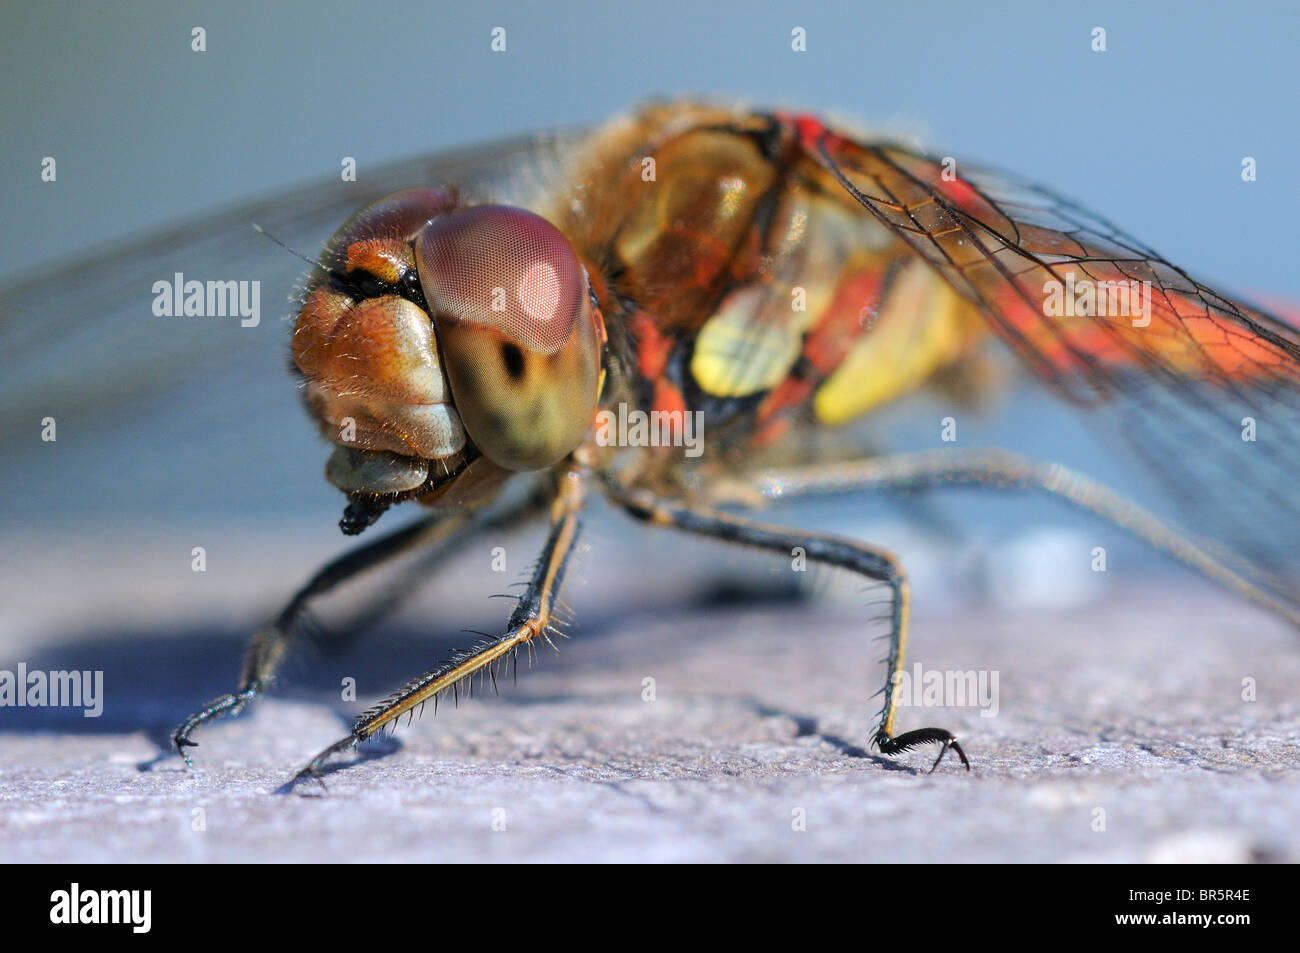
{"points": [[438, 340]]}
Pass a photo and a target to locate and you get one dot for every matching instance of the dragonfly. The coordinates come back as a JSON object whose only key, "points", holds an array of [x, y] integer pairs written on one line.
{"points": [[685, 311]]}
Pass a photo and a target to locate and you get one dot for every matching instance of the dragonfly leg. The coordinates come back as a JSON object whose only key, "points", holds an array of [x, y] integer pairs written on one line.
{"points": [[824, 548], [533, 618], [269, 646], [1000, 469]]}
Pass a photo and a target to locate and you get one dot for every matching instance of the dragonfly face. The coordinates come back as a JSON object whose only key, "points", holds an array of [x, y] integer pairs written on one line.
{"points": [[444, 347]]}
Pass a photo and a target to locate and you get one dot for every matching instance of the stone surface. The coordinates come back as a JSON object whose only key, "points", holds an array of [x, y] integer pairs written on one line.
{"points": [[1127, 714]]}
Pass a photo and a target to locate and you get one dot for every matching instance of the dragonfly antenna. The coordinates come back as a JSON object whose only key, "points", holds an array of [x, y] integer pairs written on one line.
{"points": [[296, 254]]}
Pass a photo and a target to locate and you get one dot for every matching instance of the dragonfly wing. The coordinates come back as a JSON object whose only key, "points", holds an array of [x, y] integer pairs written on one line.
{"points": [[1205, 387]]}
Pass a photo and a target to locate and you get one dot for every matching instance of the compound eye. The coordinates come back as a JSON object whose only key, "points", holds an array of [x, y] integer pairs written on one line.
{"points": [[397, 216], [519, 341]]}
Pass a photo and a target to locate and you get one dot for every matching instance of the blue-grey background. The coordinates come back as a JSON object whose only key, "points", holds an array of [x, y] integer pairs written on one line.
{"points": [[1150, 132]]}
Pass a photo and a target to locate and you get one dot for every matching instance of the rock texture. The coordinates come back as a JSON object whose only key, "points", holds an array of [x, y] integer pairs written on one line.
{"points": [[1121, 734]]}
